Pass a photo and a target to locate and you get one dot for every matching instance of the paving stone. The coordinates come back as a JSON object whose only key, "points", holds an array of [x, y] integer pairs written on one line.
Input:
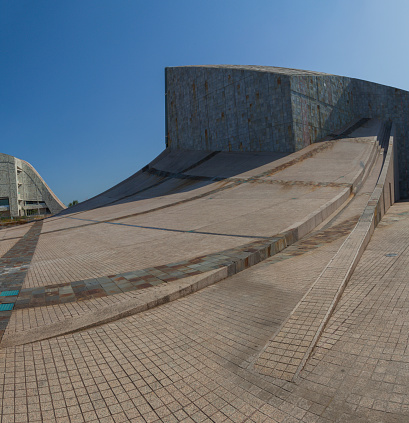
{"points": [[192, 359]]}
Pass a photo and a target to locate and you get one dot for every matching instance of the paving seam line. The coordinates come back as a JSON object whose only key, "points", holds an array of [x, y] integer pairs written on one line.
{"points": [[314, 149], [232, 182], [79, 290], [281, 241]]}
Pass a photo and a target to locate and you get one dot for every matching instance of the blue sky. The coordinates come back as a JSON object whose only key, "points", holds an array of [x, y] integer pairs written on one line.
{"points": [[82, 82]]}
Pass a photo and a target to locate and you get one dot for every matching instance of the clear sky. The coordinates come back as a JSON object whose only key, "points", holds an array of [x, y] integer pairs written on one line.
{"points": [[82, 81]]}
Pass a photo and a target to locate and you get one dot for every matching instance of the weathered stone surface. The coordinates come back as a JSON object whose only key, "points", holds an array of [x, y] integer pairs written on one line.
{"points": [[259, 108]]}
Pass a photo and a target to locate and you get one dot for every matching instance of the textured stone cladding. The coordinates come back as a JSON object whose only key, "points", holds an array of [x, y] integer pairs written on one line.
{"points": [[341, 100], [383, 102], [228, 110], [320, 105], [253, 108], [231, 108]]}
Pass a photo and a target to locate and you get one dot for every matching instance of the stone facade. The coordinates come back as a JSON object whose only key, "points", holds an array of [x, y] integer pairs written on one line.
{"points": [[254, 108], [228, 110], [23, 191]]}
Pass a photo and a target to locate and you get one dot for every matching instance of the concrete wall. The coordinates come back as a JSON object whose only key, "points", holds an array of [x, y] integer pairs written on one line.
{"points": [[20, 181], [248, 108], [35, 186], [8, 186]]}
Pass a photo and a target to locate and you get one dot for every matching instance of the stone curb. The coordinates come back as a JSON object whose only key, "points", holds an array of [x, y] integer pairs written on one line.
{"points": [[151, 298]]}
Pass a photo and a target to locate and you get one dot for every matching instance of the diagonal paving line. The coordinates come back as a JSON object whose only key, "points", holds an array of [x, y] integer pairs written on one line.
{"points": [[230, 183], [145, 278], [13, 268], [193, 231]]}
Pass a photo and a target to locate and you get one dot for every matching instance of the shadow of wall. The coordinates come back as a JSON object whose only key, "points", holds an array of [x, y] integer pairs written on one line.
{"points": [[320, 105], [323, 104], [387, 103], [178, 172]]}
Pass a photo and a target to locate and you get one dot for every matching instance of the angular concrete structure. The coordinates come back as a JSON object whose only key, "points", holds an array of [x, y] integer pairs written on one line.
{"points": [[23, 191], [255, 271]]}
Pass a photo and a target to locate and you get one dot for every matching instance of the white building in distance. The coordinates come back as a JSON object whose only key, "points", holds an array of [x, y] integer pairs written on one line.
{"points": [[23, 192]]}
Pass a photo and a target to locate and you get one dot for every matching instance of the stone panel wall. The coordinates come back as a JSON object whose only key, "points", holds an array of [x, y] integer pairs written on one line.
{"points": [[228, 110], [388, 103], [234, 108], [320, 105]]}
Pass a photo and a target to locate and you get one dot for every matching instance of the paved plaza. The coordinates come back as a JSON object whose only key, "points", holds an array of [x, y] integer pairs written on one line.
{"points": [[216, 287]]}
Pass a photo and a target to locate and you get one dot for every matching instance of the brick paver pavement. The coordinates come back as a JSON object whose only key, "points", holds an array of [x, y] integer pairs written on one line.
{"points": [[188, 360], [193, 359], [13, 268], [146, 278], [219, 212]]}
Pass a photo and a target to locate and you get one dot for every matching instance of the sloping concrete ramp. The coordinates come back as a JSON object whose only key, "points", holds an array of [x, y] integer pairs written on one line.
{"points": [[278, 328], [187, 220]]}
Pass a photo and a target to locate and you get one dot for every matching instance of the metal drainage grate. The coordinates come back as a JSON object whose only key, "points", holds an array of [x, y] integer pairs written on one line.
{"points": [[8, 293], [6, 306], [391, 255]]}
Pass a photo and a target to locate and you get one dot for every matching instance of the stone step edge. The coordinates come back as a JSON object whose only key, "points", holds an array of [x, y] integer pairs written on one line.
{"points": [[172, 291]]}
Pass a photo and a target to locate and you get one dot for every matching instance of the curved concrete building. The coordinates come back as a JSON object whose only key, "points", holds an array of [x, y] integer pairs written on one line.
{"points": [[23, 192], [255, 271]]}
